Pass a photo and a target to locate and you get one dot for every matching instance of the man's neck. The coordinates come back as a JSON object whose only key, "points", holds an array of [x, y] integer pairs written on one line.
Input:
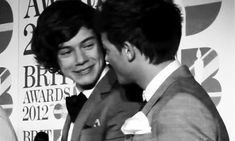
{"points": [[87, 92], [148, 71]]}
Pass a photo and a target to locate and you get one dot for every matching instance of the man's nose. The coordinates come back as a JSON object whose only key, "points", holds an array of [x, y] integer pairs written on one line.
{"points": [[81, 57]]}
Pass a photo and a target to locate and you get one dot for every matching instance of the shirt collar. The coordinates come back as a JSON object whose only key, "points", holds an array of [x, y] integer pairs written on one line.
{"points": [[155, 83], [87, 93]]}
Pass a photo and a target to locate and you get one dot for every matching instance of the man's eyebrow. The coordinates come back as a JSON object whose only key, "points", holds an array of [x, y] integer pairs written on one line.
{"points": [[87, 39], [62, 47]]}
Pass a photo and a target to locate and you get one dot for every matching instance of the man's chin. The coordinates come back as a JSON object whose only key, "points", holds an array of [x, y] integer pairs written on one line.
{"points": [[122, 81], [88, 86]]}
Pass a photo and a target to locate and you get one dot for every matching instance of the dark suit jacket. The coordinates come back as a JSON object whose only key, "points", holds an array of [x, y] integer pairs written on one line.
{"points": [[181, 110], [103, 114]]}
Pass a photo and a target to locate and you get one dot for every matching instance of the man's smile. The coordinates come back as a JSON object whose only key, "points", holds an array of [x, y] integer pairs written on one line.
{"points": [[84, 71]]}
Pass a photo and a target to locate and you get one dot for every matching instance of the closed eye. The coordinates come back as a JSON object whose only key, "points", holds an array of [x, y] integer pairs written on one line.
{"points": [[64, 51], [88, 45]]}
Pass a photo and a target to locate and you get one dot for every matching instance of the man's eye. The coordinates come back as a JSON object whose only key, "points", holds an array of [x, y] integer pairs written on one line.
{"points": [[88, 45], [64, 52]]}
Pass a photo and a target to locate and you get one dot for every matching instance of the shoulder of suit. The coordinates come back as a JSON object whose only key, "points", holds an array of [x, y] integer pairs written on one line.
{"points": [[2, 113], [183, 103]]}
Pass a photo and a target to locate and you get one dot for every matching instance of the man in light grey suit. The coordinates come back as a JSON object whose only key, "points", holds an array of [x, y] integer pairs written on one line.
{"points": [[141, 38], [65, 41]]}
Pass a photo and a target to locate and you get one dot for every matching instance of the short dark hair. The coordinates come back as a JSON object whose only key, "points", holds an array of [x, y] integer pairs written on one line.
{"points": [[153, 26], [58, 23]]}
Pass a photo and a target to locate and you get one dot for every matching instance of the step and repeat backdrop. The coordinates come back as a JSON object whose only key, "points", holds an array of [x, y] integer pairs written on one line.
{"points": [[34, 99]]}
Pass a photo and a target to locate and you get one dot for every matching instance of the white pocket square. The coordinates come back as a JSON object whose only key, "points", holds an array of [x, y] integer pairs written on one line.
{"points": [[97, 123], [138, 124]]}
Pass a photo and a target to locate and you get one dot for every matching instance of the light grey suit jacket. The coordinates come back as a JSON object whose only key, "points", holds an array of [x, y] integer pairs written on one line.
{"points": [[7, 132], [102, 116], [181, 110]]}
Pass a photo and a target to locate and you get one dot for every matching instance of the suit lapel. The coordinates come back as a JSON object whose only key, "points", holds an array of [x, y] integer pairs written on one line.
{"points": [[67, 124], [103, 86], [66, 127], [178, 73]]}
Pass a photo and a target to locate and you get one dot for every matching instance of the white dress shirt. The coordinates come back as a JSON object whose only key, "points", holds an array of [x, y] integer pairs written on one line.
{"points": [[155, 83]]}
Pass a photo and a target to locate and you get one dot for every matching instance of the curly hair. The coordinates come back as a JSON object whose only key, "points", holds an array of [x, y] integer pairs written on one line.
{"points": [[58, 23]]}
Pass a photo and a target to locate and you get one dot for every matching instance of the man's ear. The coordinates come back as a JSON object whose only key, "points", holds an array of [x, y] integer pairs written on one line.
{"points": [[128, 51]]}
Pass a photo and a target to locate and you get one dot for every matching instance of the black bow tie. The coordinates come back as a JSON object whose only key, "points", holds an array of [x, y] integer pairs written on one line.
{"points": [[74, 105]]}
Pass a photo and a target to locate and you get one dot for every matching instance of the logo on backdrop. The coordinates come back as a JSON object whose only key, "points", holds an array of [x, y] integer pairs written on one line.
{"points": [[6, 25], [204, 64], [6, 29], [5, 84], [197, 22], [59, 111], [54, 134], [202, 61], [42, 90]]}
